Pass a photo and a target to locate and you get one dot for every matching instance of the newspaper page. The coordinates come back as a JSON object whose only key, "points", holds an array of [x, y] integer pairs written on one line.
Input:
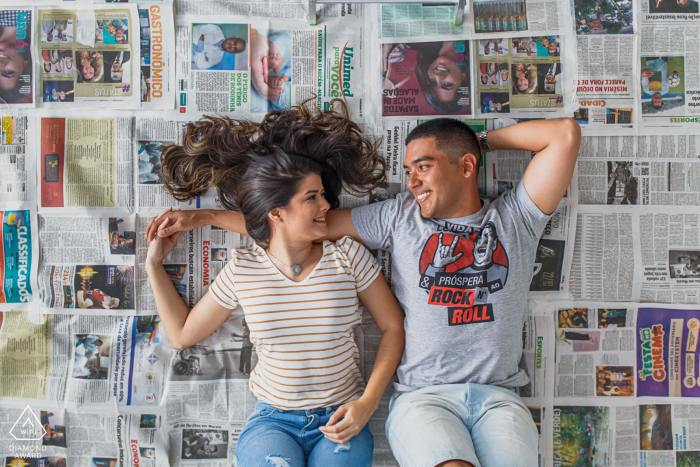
{"points": [[88, 264], [511, 18], [19, 258], [267, 65], [17, 181], [151, 135], [157, 74], [208, 399], [630, 171], [86, 163], [605, 52], [89, 56], [401, 22], [669, 65], [17, 89], [284, 9], [522, 76]]}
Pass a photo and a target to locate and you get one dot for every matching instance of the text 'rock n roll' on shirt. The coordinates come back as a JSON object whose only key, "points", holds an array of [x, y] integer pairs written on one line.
{"points": [[465, 303], [303, 331]]}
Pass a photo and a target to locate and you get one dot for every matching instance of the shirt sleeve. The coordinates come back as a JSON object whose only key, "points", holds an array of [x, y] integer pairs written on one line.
{"points": [[223, 288], [365, 267], [375, 222], [525, 210]]}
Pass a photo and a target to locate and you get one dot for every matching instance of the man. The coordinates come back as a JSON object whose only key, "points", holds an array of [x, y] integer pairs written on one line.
{"points": [[115, 61], [653, 64], [210, 45], [95, 298], [455, 404], [118, 29]]}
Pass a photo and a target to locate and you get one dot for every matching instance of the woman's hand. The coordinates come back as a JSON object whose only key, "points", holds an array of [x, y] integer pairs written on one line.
{"points": [[355, 416], [160, 247], [178, 222]]}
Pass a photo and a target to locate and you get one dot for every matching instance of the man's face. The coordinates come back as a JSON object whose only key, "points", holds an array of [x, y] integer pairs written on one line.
{"points": [[117, 72], [485, 246], [69, 62], [499, 107], [119, 35], [233, 45], [550, 83], [62, 95], [110, 302], [431, 178], [49, 37], [552, 49], [504, 75], [657, 101]]}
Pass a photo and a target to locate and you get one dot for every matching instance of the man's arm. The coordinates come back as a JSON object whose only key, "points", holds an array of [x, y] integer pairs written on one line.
{"points": [[339, 222], [549, 173]]}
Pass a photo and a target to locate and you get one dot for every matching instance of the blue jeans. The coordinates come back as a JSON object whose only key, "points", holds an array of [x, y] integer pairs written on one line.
{"points": [[291, 438], [485, 425]]}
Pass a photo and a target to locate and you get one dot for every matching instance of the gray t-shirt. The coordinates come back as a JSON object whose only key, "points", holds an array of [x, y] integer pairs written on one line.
{"points": [[464, 302]]}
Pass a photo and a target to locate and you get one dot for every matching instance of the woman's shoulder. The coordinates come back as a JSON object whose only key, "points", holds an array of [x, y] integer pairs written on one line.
{"points": [[347, 246]]}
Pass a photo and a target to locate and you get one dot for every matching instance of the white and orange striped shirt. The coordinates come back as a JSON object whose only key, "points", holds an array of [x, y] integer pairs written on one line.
{"points": [[303, 331]]}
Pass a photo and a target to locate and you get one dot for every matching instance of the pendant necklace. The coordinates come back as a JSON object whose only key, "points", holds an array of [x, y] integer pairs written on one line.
{"points": [[296, 268]]}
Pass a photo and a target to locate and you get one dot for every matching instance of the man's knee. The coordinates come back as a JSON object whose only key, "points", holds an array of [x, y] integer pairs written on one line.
{"points": [[455, 463]]}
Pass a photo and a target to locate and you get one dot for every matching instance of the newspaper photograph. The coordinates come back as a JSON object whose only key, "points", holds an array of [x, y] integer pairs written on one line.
{"points": [[520, 75], [553, 256], [250, 69], [510, 18], [16, 42], [86, 163], [426, 79], [157, 68], [80, 67], [17, 179], [34, 357], [19, 258]]}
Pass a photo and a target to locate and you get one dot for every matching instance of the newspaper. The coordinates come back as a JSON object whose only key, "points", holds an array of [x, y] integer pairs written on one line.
{"points": [[292, 9], [17, 181], [19, 258], [17, 89], [267, 65], [605, 52], [612, 172], [151, 135], [87, 264], [403, 22], [86, 162], [511, 18], [525, 76], [89, 56], [157, 74], [626, 255]]}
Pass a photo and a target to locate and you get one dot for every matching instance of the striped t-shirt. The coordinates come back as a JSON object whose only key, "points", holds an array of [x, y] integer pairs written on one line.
{"points": [[303, 331]]}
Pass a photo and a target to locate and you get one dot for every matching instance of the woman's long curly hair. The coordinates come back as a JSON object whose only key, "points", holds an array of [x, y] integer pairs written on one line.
{"points": [[258, 167]]}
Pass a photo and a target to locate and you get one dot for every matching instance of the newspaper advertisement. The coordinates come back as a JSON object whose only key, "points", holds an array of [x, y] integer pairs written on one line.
{"points": [[16, 42], [622, 255], [613, 173], [293, 9], [245, 69], [423, 79], [510, 18], [17, 181], [524, 75], [669, 68], [151, 136], [605, 52], [157, 73], [19, 257], [209, 381], [87, 264], [34, 357], [89, 56], [86, 162], [193, 264]]}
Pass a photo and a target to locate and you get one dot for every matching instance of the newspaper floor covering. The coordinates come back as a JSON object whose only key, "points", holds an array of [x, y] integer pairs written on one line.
{"points": [[93, 92]]}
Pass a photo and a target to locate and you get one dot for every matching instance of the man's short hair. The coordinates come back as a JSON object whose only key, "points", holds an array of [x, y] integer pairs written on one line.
{"points": [[453, 137]]}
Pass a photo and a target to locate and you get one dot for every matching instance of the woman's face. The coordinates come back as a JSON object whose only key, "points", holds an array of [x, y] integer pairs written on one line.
{"points": [[504, 75], [552, 48], [523, 84], [47, 67], [69, 62], [492, 106], [12, 63], [88, 72], [545, 42], [304, 218], [494, 79], [58, 67], [445, 77], [484, 78]]}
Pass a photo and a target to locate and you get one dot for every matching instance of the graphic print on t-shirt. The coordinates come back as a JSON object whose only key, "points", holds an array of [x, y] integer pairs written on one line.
{"points": [[460, 267]]}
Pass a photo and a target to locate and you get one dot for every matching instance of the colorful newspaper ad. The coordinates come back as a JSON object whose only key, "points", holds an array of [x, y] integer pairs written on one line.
{"points": [[16, 42], [86, 162], [510, 18], [19, 252], [157, 71], [605, 52], [244, 69], [89, 56]]}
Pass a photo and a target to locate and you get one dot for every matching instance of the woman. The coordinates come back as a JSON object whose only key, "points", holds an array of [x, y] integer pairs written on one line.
{"points": [[15, 60], [300, 298], [524, 78], [90, 67]]}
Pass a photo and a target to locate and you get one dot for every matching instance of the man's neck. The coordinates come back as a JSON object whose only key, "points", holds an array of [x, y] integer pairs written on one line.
{"points": [[467, 204]]}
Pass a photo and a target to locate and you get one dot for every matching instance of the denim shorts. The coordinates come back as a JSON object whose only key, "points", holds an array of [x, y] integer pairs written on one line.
{"points": [[291, 438], [485, 425]]}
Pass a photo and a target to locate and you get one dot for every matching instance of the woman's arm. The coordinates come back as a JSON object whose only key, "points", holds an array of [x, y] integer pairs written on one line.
{"points": [[183, 327], [387, 314]]}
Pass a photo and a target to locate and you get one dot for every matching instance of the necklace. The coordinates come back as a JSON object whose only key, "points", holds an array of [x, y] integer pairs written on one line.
{"points": [[296, 268]]}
